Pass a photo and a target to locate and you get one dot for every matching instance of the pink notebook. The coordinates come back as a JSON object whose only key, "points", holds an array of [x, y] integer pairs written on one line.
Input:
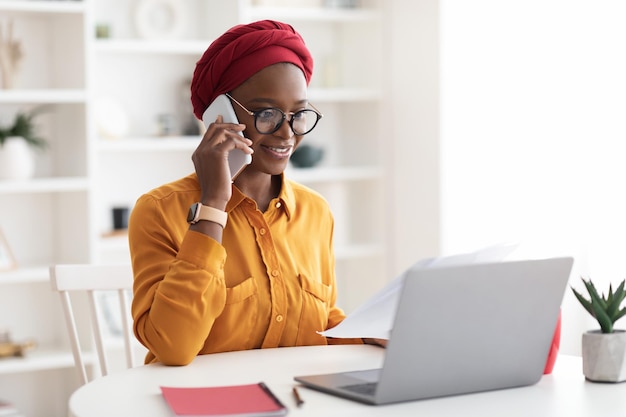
{"points": [[235, 400]]}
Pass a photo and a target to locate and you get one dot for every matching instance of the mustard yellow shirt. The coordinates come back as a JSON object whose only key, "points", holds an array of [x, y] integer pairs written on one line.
{"points": [[271, 282]]}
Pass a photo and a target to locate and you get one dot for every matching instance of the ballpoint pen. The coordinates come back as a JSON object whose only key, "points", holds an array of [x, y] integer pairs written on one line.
{"points": [[296, 394]]}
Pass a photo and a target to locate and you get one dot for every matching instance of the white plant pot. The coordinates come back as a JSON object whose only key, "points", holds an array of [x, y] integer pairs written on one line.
{"points": [[604, 356], [17, 161]]}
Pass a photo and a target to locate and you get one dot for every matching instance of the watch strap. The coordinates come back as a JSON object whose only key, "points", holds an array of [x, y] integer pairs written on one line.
{"points": [[210, 214]]}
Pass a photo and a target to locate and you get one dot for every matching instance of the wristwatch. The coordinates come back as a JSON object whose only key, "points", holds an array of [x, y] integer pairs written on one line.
{"points": [[199, 212]]}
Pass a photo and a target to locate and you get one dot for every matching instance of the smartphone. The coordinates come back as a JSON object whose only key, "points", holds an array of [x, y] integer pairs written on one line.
{"points": [[237, 159]]}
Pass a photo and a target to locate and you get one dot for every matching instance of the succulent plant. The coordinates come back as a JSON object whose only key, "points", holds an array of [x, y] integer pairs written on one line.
{"points": [[605, 309]]}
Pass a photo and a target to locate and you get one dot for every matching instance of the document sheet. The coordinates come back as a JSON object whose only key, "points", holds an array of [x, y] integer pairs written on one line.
{"points": [[375, 317]]}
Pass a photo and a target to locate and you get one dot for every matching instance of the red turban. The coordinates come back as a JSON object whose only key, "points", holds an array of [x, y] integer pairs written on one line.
{"points": [[241, 52]]}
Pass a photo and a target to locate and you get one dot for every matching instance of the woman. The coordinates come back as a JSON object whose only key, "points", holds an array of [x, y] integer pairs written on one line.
{"points": [[259, 271]]}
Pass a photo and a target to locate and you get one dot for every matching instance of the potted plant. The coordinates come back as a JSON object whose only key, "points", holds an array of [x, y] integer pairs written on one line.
{"points": [[604, 350], [16, 141]]}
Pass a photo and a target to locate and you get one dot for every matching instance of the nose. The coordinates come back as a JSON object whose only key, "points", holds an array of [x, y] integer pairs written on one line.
{"points": [[285, 131]]}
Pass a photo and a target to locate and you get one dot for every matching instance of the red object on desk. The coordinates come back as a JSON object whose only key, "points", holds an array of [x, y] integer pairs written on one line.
{"points": [[554, 348], [249, 400]]}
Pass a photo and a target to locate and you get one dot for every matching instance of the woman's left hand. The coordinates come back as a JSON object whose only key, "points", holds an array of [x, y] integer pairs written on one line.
{"points": [[373, 341]]}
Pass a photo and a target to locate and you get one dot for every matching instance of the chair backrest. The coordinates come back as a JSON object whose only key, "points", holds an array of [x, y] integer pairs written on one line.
{"points": [[94, 280]]}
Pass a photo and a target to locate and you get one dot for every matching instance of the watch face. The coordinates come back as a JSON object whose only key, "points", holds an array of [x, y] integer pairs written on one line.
{"points": [[192, 213]]}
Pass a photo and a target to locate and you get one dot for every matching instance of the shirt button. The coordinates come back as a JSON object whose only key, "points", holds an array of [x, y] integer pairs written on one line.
{"points": [[279, 318], [279, 204], [262, 231], [275, 273]]}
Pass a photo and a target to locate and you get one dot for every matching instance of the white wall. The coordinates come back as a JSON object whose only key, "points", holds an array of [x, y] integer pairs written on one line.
{"points": [[412, 120], [533, 103]]}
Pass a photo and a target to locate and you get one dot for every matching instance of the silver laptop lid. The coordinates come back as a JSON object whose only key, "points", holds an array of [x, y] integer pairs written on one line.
{"points": [[472, 328]]}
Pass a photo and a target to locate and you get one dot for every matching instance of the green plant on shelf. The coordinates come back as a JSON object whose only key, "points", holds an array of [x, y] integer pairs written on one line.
{"points": [[24, 126]]}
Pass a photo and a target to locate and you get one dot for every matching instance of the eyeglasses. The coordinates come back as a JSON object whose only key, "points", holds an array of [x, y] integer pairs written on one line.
{"points": [[269, 120]]}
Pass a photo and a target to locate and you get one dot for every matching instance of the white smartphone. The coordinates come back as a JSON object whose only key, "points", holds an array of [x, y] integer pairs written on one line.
{"points": [[237, 159]]}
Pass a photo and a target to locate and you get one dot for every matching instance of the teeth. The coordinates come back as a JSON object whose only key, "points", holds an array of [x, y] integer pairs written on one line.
{"points": [[279, 150]]}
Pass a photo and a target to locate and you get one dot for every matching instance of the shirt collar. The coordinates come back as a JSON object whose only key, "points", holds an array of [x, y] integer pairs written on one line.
{"points": [[285, 197]]}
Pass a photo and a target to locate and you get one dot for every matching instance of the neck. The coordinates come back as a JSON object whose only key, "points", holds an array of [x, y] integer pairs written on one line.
{"points": [[262, 188]]}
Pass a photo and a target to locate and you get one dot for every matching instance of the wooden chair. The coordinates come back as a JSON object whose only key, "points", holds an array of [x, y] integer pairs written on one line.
{"points": [[94, 280]]}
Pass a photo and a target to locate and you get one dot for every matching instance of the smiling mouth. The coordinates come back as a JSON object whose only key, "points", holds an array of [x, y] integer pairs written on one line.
{"points": [[282, 151]]}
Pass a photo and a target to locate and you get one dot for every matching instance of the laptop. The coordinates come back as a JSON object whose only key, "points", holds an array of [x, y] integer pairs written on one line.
{"points": [[462, 329]]}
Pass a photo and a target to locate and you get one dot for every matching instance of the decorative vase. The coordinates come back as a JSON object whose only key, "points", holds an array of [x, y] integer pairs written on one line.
{"points": [[16, 159], [604, 356], [306, 156]]}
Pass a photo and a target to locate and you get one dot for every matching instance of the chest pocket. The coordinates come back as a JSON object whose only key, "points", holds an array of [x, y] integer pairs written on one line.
{"points": [[241, 292], [233, 328], [315, 306]]}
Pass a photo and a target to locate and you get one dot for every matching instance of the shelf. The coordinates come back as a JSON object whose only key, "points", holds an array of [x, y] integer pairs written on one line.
{"points": [[333, 174], [308, 175], [44, 185], [44, 96], [40, 359], [348, 252], [114, 243], [150, 144], [125, 46], [344, 252], [41, 6], [25, 275], [313, 14]]}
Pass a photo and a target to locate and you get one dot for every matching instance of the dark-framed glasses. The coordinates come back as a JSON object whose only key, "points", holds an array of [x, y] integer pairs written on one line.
{"points": [[269, 120]]}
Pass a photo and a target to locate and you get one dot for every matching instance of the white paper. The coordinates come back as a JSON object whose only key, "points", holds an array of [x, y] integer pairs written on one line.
{"points": [[375, 317]]}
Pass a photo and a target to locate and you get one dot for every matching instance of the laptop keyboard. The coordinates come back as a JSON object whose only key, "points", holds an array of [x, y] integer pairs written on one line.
{"points": [[368, 388]]}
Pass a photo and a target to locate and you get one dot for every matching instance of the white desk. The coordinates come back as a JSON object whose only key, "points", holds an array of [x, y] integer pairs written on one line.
{"points": [[136, 393]]}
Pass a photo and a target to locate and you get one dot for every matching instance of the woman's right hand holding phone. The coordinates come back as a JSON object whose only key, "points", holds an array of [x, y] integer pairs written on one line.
{"points": [[210, 160]]}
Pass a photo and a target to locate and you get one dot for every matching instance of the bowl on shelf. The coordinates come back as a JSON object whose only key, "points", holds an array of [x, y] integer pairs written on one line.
{"points": [[307, 156]]}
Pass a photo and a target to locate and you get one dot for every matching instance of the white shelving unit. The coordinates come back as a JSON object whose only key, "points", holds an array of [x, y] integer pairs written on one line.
{"points": [[64, 213], [46, 219]]}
